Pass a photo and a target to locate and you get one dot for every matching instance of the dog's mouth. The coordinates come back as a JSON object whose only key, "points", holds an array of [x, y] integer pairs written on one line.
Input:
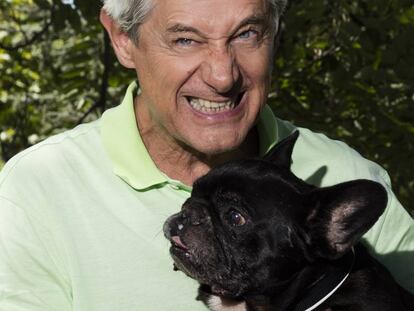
{"points": [[179, 249], [191, 248], [193, 259], [182, 256], [178, 243]]}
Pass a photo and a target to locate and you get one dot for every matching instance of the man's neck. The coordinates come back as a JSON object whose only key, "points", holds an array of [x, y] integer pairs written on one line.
{"points": [[181, 163], [178, 161]]}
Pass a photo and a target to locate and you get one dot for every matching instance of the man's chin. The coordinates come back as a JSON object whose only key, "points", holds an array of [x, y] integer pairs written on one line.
{"points": [[216, 153], [218, 146]]}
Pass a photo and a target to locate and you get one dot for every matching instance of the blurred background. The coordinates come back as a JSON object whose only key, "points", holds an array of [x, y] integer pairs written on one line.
{"points": [[344, 68]]}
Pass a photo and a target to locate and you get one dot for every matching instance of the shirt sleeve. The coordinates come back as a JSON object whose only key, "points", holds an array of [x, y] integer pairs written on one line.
{"points": [[29, 277], [391, 240], [325, 162]]}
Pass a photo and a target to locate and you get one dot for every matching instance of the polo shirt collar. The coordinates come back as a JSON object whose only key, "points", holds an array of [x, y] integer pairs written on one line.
{"points": [[130, 158]]}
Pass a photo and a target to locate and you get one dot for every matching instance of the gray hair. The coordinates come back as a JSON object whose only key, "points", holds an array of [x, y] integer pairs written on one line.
{"points": [[129, 14]]}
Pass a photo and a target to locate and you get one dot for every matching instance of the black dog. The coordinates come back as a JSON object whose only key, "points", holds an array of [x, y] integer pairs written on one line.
{"points": [[256, 237]]}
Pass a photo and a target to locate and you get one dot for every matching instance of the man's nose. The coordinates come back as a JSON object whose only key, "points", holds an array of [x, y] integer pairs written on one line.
{"points": [[220, 70]]}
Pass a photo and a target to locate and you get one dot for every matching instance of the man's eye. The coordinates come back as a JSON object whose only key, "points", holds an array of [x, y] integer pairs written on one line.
{"points": [[184, 41], [235, 219], [248, 34]]}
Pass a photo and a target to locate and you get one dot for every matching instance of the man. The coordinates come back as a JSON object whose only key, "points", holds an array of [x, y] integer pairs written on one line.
{"points": [[81, 213]]}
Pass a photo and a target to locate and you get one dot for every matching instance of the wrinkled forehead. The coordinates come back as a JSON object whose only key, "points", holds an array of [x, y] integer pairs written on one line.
{"points": [[215, 17]]}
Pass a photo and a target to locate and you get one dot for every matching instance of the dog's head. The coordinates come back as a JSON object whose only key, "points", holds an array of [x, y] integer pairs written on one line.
{"points": [[252, 224]]}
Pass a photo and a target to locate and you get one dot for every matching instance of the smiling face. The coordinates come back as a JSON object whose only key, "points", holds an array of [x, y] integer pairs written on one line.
{"points": [[204, 69]]}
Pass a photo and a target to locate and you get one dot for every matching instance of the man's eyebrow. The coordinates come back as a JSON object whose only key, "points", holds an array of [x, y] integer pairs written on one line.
{"points": [[177, 28], [251, 20], [254, 20]]}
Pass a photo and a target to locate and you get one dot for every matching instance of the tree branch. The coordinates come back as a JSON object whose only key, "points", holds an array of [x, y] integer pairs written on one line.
{"points": [[106, 60], [36, 36]]}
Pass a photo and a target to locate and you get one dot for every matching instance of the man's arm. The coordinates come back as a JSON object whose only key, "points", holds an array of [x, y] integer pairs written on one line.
{"points": [[325, 162], [391, 240], [30, 279]]}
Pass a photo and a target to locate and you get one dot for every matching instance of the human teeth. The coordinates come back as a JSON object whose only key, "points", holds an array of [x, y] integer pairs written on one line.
{"points": [[209, 106]]}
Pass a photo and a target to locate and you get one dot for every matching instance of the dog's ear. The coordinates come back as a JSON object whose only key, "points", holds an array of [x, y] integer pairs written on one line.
{"points": [[339, 215], [281, 154]]}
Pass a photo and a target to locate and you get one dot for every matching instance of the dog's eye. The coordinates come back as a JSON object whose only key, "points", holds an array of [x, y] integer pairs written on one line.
{"points": [[235, 218]]}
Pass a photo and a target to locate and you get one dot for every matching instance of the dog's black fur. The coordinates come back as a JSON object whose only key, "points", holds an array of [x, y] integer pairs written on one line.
{"points": [[254, 233]]}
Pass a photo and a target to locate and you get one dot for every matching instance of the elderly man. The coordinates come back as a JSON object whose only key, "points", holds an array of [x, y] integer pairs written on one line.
{"points": [[81, 213]]}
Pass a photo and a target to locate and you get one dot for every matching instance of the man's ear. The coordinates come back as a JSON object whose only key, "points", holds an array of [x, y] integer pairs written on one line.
{"points": [[120, 40], [281, 154], [339, 215]]}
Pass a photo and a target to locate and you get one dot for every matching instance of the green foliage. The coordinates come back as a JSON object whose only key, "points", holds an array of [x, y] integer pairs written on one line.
{"points": [[57, 68], [344, 68]]}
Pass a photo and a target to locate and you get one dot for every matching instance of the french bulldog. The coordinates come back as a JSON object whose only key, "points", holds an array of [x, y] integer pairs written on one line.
{"points": [[256, 237]]}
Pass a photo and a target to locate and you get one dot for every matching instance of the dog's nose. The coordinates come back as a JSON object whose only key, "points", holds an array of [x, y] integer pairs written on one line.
{"points": [[172, 225]]}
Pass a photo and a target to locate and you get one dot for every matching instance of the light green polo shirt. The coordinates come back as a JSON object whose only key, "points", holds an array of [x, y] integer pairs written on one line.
{"points": [[81, 217]]}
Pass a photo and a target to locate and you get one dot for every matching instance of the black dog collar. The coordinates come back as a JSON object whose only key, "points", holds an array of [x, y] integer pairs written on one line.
{"points": [[328, 284]]}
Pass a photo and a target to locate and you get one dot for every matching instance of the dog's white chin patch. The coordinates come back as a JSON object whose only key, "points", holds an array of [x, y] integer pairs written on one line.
{"points": [[217, 303]]}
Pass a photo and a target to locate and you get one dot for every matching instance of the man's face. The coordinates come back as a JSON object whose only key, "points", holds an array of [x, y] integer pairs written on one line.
{"points": [[204, 70]]}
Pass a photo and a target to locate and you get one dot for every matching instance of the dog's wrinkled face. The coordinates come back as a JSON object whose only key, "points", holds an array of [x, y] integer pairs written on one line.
{"points": [[225, 234], [251, 225]]}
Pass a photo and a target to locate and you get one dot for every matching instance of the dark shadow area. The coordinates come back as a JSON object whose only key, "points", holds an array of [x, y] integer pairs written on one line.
{"points": [[317, 177]]}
